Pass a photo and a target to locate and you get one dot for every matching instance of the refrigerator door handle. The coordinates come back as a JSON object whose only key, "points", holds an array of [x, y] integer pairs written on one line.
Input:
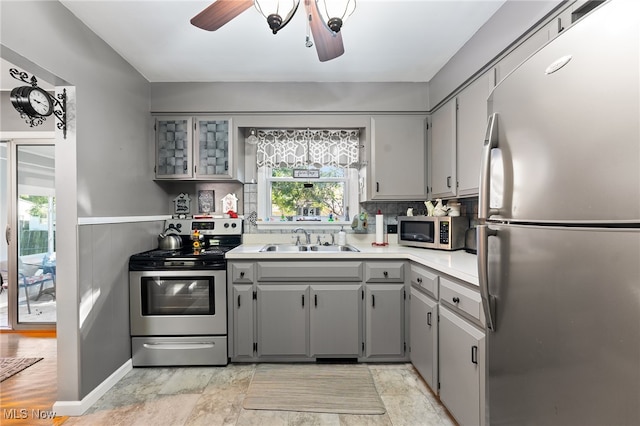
{"points": [[490, 142], [488, 301]]}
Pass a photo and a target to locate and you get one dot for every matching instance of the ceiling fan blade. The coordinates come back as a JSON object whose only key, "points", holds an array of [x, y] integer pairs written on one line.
{"points": [[219, 13], [328, 45]]}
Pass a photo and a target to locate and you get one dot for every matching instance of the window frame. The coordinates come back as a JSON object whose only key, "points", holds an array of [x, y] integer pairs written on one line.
{"points": [[265, 179]]}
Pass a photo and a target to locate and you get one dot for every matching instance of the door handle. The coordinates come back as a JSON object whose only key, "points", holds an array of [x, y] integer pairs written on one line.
{"points": [[490, 142], [238, 301], [488, 301], [7, 234], [373, 300], [448, 181], [429, 318], [315, 300], [474, 354], [303, 300]]}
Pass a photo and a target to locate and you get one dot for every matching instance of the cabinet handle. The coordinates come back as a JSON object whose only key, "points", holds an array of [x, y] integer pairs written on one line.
{"points": [[386, 274], [238, 301], [373, 300], [429, 318], [242, 274], [303, 300], [419, 280], [377, 186], [474, 354], [456, 300], [448, 181], [315, 299], [186, 166]]}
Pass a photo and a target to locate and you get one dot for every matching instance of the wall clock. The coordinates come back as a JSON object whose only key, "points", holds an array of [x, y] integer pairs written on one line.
{"points": [[32, 101], [35, 104]]}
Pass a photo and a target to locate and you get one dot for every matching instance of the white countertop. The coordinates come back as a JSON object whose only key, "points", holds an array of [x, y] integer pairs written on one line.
{"points": [[458, 264]]}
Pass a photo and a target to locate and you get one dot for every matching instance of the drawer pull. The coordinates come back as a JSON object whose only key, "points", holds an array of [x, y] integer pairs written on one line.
{"points": [[386, 274], [419, 280], [429, 318], [474, 354], [456, 300], [242, 274]]}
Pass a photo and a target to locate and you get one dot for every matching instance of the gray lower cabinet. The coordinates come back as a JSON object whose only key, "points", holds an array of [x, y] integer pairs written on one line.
{"points": [[423, 328], [462, 349], [335, 323], [282, 318], [384, 321], [305, 310], [242, 313]]}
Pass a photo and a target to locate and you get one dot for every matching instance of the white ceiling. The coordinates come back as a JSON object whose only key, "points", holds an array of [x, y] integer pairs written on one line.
{"points": [[385, 40]]}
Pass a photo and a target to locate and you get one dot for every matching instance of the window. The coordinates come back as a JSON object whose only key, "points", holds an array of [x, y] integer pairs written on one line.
{"points": [[329, 156]]}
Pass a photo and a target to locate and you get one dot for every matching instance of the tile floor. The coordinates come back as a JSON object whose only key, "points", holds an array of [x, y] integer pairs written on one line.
{"points": [[213, 396]]}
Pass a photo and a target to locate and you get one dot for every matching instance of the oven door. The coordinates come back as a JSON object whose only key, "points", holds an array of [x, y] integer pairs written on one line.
{"points": [[178, 303]]}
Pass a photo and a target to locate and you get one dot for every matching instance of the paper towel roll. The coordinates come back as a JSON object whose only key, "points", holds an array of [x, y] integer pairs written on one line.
{"points": [[379, 228]]}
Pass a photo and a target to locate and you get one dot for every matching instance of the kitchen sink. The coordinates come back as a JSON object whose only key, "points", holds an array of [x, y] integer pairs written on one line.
{"points": [[292, 248]]}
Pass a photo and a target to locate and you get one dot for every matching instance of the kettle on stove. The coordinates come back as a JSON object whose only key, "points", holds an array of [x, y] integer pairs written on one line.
{"points": [[169, 241]]}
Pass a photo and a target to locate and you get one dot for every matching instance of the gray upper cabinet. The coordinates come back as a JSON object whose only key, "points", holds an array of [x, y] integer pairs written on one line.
{"points": [[443, 151], [197, 148], [174, 153], [397, 167], [471, 124]]}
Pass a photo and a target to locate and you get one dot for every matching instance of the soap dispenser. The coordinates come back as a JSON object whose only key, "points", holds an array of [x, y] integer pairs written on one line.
{"points": [[342, 237]]}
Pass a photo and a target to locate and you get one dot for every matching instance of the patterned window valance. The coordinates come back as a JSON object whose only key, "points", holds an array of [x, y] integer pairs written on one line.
{"points": [[304, 147]]}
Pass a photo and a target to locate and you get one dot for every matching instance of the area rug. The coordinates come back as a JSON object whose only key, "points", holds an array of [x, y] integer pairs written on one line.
{"points": [[11, 366], [324, 388]]}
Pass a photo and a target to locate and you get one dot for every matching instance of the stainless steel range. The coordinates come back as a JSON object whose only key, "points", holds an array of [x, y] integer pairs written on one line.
{"points": [[178, 297]]}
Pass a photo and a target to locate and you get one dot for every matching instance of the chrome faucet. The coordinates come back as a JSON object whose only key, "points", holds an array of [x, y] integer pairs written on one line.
{"points": [[306, 234]]}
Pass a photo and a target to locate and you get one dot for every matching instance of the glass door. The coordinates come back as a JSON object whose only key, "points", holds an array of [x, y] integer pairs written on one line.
{"points": [[28, 252]]}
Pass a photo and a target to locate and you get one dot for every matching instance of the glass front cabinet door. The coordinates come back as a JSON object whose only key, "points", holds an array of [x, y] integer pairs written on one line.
{"points": [[193, 148]]}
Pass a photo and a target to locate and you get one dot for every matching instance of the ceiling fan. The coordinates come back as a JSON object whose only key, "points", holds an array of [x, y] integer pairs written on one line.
{"points": [[327, 37]]}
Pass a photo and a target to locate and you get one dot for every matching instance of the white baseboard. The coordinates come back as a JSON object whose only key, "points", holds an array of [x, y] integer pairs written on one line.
{"points": [[78, 408]]}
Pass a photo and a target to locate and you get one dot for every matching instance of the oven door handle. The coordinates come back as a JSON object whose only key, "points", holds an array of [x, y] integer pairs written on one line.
{"points": [[179, 345]]}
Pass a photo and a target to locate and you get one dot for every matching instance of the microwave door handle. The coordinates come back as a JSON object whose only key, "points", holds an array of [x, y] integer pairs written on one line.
{"points": [[490, 142]]}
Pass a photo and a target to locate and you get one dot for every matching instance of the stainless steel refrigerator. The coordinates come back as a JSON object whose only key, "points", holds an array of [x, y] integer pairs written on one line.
{"points": [[559, 233]]}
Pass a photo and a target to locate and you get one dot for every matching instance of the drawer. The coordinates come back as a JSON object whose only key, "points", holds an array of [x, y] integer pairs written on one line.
{"points": [[242, 273], [425, 279], [461, 298], [176, 351], [384, 272], [309, 271]]}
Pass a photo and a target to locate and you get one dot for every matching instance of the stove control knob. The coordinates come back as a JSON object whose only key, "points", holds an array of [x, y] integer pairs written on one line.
{"points": [[233, 225], [226, 225]]}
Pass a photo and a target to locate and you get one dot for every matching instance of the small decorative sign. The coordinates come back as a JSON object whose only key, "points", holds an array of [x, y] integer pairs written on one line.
{"points": [[182, 204], [306, 173], [206, 203]]}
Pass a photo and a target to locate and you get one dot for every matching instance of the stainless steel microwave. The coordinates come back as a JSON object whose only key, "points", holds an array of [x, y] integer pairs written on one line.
{"points": [[442, 233]]}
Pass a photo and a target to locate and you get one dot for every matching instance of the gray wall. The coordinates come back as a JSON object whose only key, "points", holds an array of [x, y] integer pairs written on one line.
{"points": [[110, 178], [288, 97]]}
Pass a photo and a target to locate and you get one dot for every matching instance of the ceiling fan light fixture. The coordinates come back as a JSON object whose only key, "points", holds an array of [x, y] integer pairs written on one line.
{"points": [[335, 13], [271, 10]]}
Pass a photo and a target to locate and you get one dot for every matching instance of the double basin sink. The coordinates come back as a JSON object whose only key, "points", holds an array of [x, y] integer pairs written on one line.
{"points": [[307, 248]]}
